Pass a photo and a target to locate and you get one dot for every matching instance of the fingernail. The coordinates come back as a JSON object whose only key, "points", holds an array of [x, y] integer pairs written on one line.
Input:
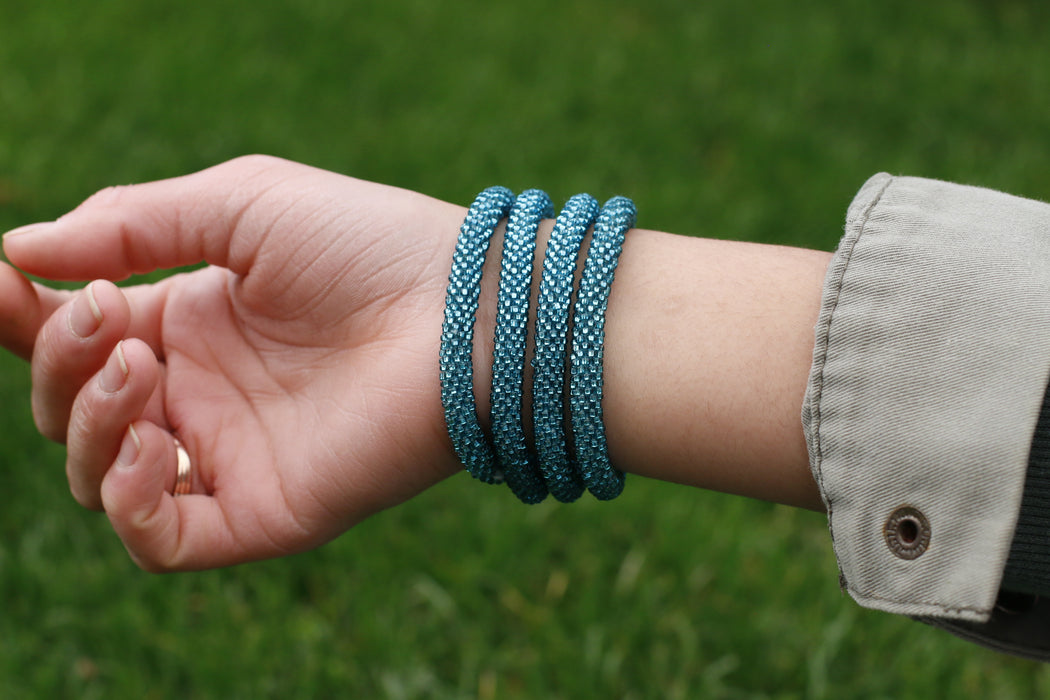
{"points": [[85, 316], [24, 230], [115, 373], [130, 448]]}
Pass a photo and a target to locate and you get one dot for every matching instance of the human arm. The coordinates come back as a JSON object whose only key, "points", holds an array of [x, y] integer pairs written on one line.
{"points": [[300, 368]]}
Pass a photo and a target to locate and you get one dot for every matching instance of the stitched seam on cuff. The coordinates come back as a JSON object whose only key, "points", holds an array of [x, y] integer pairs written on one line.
{"points": [[860, 222], [819, 387]]}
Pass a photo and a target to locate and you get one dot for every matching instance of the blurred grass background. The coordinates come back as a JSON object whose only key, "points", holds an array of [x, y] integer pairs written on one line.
{"points": [[753, 121]]}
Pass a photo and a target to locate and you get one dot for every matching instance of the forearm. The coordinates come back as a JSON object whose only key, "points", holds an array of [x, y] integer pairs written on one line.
{"points": [[707, 351]]}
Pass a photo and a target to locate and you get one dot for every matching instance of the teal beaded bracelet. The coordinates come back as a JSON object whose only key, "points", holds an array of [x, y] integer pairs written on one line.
{"points": [[552, 332], [557, 472], [457, 333], [508, 351], [602, 479]]}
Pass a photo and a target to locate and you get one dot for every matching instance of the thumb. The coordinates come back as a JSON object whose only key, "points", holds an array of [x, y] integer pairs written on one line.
{"points": [[134, 229]]}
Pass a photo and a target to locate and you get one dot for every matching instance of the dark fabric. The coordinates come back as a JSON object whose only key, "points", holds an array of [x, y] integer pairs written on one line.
{"points": [[1028, 566]]}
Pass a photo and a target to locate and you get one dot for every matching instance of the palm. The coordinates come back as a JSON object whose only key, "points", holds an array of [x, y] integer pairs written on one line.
{"points": [[299, 408]]}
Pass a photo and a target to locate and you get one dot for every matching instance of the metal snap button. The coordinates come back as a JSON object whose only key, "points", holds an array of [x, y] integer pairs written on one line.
{"points": [[907, 533]]}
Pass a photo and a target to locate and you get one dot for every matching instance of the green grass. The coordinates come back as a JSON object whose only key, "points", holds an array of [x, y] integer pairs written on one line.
{"points": [[753, 121]]}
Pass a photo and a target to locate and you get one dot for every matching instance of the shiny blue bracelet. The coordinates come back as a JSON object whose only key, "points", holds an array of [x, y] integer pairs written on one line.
{"points": [[457, 333], [508, 351], [552, 332], [602, 479]]}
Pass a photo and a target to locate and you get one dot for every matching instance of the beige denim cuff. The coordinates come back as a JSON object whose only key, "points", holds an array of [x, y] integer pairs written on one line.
{"points": [[931, 360]]}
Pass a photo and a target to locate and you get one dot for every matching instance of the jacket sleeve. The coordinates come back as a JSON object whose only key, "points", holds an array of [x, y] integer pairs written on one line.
{"points": [[929, 372]]}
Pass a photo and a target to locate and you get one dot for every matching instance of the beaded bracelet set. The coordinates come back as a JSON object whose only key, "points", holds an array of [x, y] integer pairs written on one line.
{"points": [[552, 469]]}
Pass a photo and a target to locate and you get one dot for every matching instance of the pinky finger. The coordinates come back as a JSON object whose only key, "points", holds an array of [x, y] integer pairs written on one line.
{"points": [[163, 532]]}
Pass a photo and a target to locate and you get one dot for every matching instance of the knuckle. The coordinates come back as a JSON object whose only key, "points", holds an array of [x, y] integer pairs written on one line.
{"points": [[77, 431], [54, 388], [152, 559], [83, 494], [147, 563], [147, 539], [256, 161], [49, 425], [89, 418], [106, 198]]}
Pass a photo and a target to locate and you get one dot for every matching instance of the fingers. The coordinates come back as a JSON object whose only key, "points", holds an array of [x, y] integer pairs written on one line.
{"points": [[26, 305], [23, 308], [169, 223], [111, 400], [163, 532], [71, 347]]}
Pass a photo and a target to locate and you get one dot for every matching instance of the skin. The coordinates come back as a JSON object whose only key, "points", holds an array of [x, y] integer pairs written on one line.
{"points": [[299, 368]]}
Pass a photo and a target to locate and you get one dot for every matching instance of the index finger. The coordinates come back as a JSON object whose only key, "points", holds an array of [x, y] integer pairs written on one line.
{"points": [[135, 229]]}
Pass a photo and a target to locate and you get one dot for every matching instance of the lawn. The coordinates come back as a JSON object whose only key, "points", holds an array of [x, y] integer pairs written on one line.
{"points": [[753, 121]]}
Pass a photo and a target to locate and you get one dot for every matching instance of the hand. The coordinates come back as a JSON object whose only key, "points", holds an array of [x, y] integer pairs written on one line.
{"points": [[299, 369]]}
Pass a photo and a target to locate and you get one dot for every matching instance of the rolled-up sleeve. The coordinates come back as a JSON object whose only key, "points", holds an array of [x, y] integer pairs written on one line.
{"points": [[929, 371]]}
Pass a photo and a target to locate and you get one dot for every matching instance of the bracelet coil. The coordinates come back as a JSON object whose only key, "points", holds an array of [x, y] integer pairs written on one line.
{"points": [[508, 354], [552, 333], [457, 333], [602, 479]]}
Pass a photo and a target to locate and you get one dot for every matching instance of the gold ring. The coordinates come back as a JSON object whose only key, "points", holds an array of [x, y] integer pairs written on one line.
{"points": [[184, 475]]}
